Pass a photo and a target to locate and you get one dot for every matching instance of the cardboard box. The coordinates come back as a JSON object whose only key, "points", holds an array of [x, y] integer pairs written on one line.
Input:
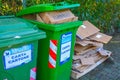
{"points": [[100, 37], [60, 16], [86, 30]]}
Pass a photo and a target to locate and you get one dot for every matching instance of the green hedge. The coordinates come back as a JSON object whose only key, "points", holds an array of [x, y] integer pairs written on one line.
{"points": [[105, 14], [10, 7]]}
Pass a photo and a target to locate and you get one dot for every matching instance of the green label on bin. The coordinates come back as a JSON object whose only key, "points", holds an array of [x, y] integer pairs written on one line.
{"points": [[65, 47], [17, 56]]}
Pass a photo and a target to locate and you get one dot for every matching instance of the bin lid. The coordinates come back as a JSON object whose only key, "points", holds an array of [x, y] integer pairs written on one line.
{"points": [[46, 7], [16, 30]]}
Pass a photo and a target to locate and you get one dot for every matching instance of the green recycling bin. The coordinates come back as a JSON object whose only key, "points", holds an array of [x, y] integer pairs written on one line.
{"points": [[56, 51], [18, 48]]}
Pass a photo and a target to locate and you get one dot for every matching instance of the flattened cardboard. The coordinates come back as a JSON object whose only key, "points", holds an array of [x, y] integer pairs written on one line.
{"points": [[82, 52], [86, 30], [87, 61], [82, 43], [80, 49], [75, 57], [104, 52], [77, 38], [88, 42], [76, 65], [100, 37], [97, 44], [88, 53]]}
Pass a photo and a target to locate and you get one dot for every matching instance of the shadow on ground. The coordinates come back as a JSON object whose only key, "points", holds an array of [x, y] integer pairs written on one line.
{"points": [[110, 69]]}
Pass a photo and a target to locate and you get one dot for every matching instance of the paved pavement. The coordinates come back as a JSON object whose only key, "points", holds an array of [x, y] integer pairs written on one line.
{"points": [[110, 69]]}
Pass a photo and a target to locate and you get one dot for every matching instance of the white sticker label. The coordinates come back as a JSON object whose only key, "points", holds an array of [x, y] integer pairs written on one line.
{"points": [[83, 26], [98, 36], [65, 47], [17, 56]]}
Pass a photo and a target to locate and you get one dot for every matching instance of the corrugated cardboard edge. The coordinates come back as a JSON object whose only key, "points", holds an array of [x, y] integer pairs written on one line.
{"points": [[48, 16], [100, 37], [88, 42], [38, 18], [87, 61], [77, 75], [86, 30]]}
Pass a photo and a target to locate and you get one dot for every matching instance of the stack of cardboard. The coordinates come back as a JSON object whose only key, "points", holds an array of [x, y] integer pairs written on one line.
{"points": [[53, 17], [89, 51]]}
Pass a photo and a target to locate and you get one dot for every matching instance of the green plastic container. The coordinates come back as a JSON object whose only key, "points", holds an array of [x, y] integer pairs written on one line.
{"points": [[46, 7], [56, 51], [18, 48]]}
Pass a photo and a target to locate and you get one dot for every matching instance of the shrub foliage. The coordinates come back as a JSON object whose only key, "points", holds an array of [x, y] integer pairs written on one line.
{"points": [[103, 13]]}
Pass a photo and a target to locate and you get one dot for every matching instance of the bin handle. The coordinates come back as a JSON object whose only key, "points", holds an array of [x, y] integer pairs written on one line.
{"points": [[9, 16]]}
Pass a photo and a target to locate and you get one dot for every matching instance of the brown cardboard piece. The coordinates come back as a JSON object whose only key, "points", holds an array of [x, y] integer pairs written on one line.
{"points": [[84, 50], [59, 16], [80, 49], [86, 30], [86, 42], [104, 52], [100, 37], [30, 16], [38, 18], [82, 43], [87, 61], [86, 54]]}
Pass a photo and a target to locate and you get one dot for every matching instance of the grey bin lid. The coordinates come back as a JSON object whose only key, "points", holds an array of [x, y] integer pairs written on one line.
{"points": [[16, 30]]}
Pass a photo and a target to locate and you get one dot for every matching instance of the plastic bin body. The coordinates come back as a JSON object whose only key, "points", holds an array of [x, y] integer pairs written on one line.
{"points": [[18, 49], [57, 50], [60, 71], [18, 72]]}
